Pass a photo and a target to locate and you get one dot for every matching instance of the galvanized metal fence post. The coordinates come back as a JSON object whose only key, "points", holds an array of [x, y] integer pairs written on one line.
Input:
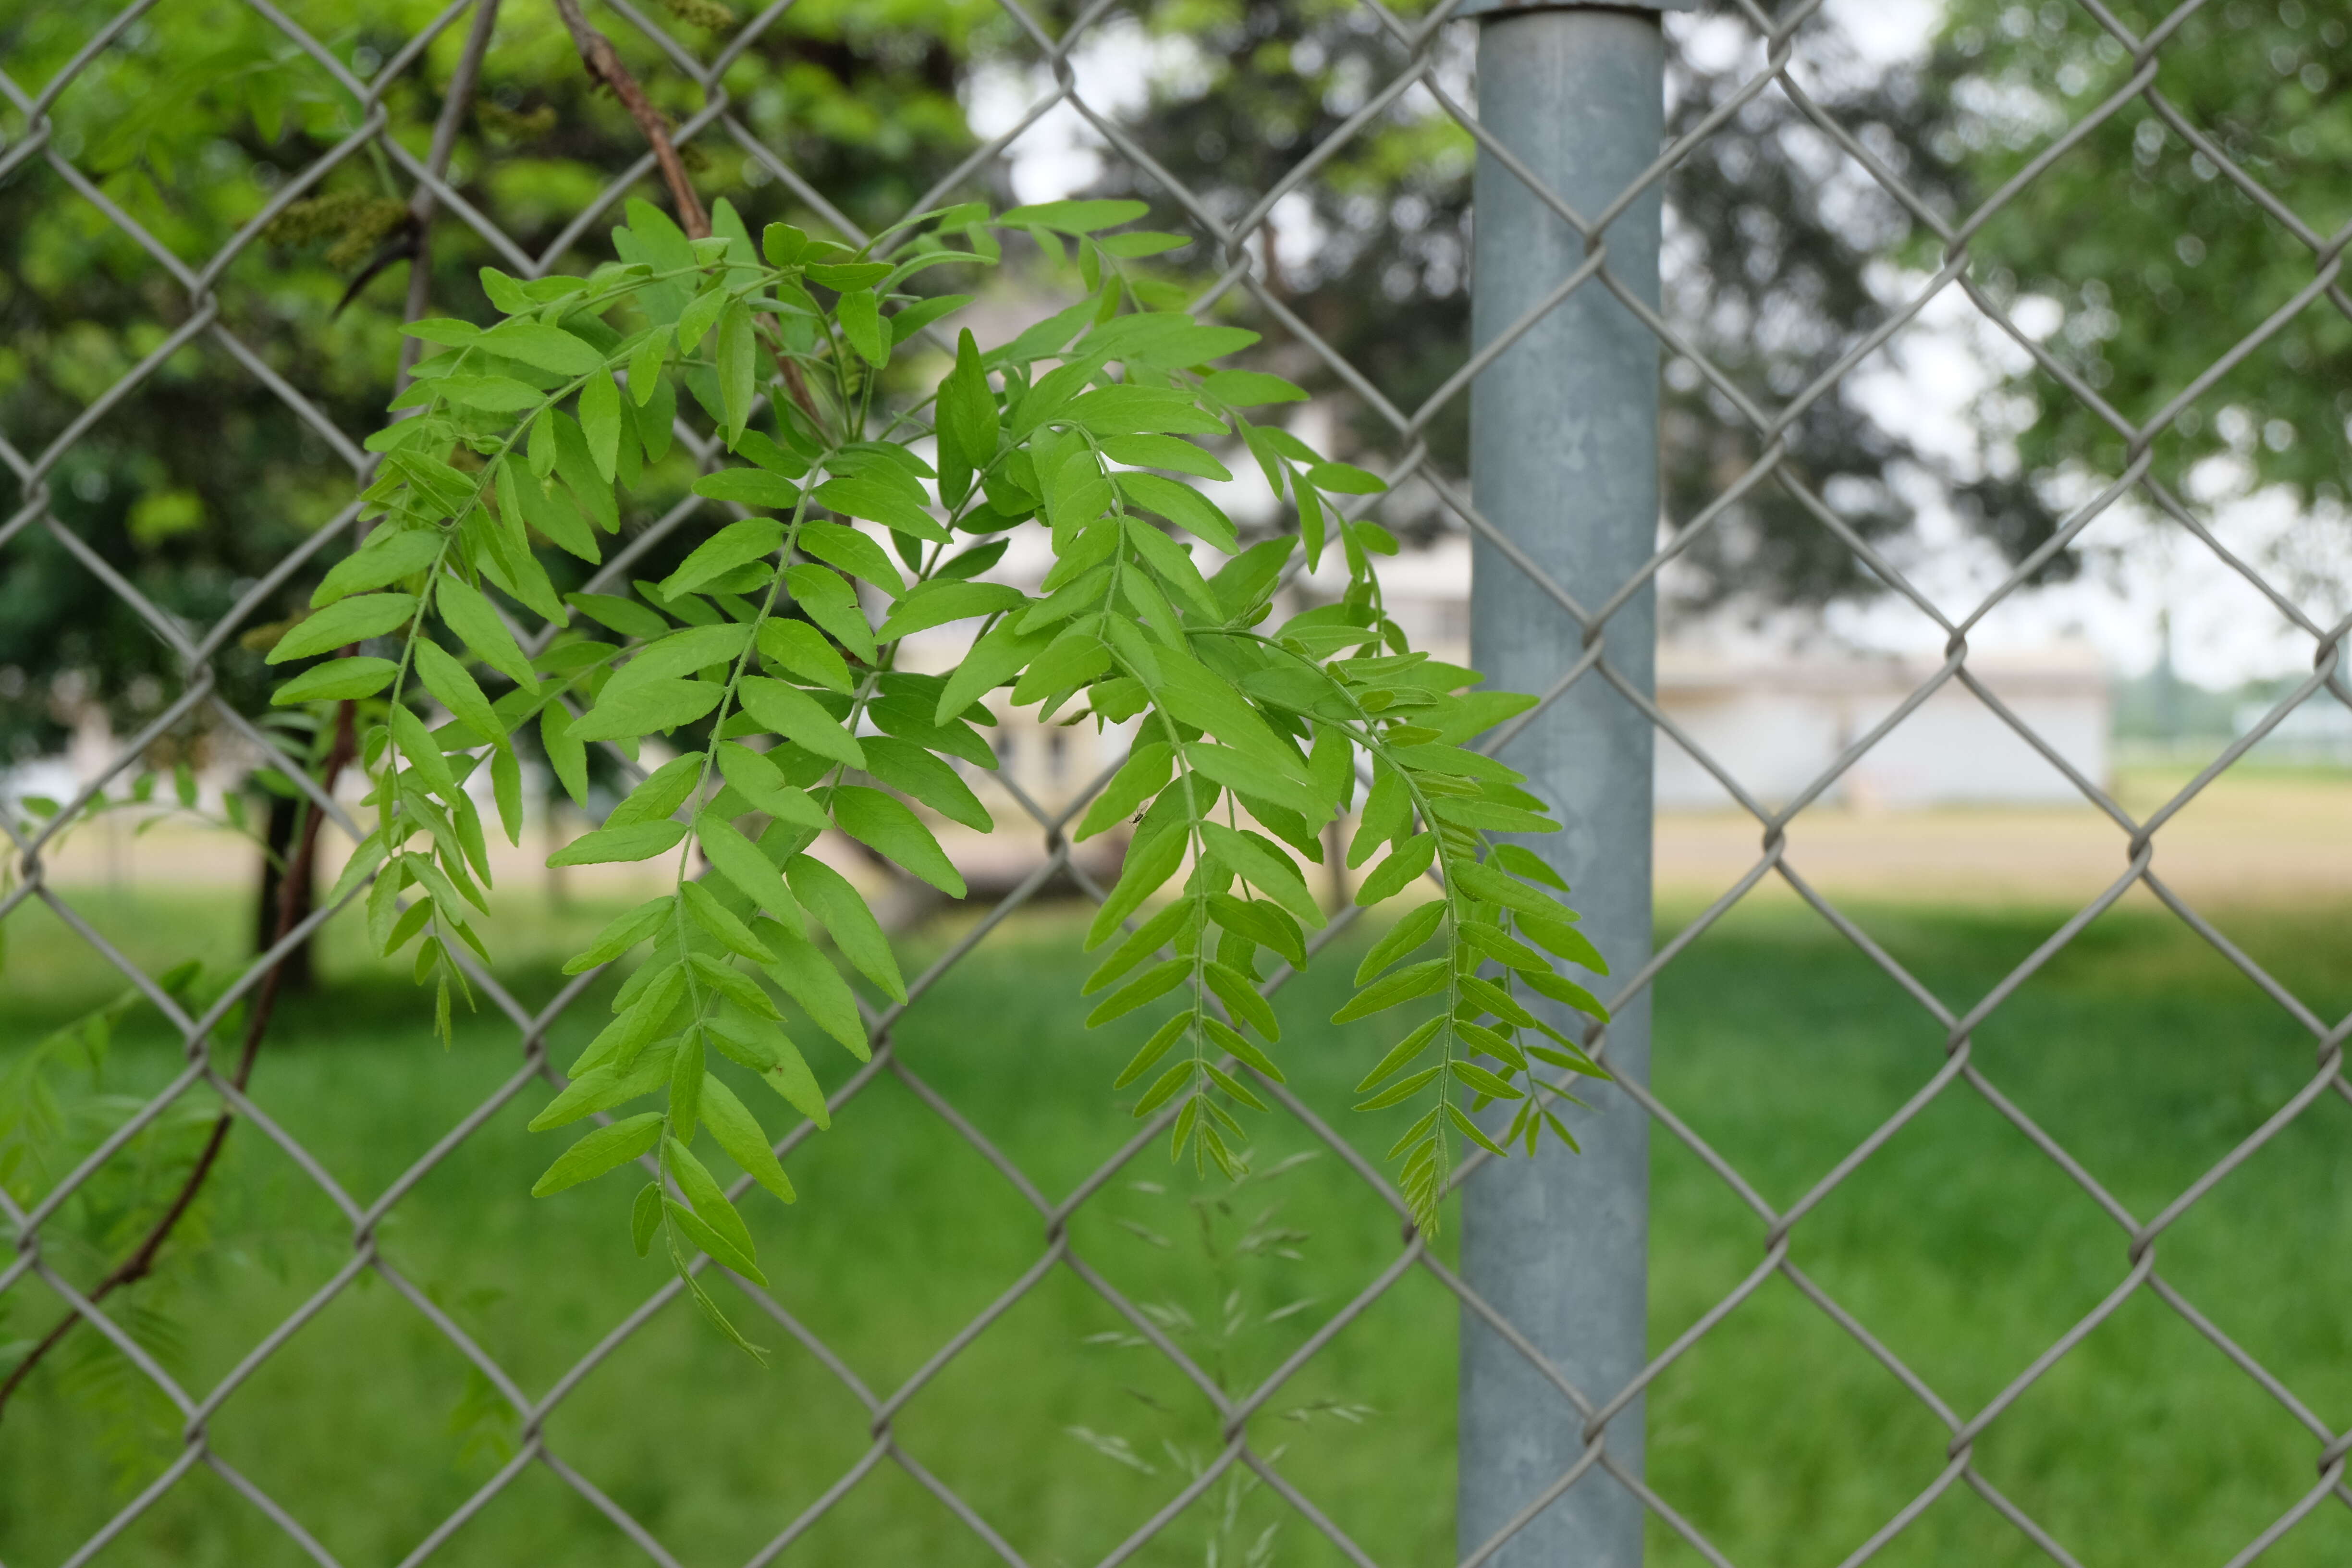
{"points": [[1564, 463]]}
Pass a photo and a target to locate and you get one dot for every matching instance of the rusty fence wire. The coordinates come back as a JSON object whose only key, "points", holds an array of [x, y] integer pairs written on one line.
{"points": [[1427, 77]]}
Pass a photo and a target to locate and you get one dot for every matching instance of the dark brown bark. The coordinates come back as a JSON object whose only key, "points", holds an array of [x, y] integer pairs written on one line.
{"points": [[281, 832], [604, 63], [141, 1262]]}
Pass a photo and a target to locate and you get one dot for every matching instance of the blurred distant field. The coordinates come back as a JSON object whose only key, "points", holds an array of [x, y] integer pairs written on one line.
{"points": [[1963, 1249]]}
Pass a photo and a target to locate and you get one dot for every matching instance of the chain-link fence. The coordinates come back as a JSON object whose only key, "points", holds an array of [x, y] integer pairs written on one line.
{"points": [[852, 1430]]}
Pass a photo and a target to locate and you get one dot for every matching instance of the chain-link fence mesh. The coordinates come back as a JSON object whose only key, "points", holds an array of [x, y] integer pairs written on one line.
{"points": [[1036, 70]]}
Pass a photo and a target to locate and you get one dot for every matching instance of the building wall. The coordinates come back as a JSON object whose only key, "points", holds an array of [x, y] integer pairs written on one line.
{"points": [[1779, 729]]}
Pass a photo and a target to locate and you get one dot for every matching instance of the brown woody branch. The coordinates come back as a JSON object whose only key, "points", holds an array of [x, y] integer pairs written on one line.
{"points": [[141, 1262], [604, 63]]}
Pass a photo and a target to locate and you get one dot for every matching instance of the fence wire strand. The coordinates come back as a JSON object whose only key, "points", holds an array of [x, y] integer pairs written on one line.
{"points": [[1241, 266]]}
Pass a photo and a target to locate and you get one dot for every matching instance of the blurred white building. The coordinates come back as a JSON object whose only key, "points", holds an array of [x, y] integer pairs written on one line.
{"points": [[1776, 725]]}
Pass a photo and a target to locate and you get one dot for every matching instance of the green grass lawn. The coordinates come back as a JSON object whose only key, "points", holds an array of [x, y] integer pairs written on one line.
{"points": [[1960, 1246]]}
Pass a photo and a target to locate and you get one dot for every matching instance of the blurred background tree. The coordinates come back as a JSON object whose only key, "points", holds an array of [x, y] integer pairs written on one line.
{"points": [[2148, 257]]}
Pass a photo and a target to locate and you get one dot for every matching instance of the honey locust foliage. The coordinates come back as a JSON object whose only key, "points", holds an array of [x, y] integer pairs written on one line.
{"points": [[761, 661]]}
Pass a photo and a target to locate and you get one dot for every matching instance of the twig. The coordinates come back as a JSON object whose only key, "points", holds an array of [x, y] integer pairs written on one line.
{"points": [[598, 53], [604, 63], [141, 1263]]}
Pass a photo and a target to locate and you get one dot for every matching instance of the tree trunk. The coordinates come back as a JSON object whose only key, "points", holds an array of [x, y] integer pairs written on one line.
{"points": [[283, 829]]}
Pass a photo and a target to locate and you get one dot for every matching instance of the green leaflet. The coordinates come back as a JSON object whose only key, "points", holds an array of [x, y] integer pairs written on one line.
{"points": [[746, 870], [1171, 560], [907, 767], [1561, 938], [1146, 940], [1406, 984], [660, 795], [1241, 998], [1396, 873], [829, 896], [1165, 452], [388, 556], [684, 652], [1499, 946], [737, 366], [851, 552], [712, 1222], [1153, 984], [599, 1151], [829, 601], [1402, 938], [565, 754], [1560, 989], [1246, 775], [1239, 1045], [801, 648], [1264, 924], [881, 823], [1401, 1054], [866, 496], [759, 781], [1265, 868], [791, 1078], [809, 978], [739, 1133], [1149, 863], [454, 688], [1251, 389], [798, 717], [603, 1088], [732, 983], [1482, 881], [860, 316], [1162, 1038], [344, 621], [600, 422], [1183, 505], [1523, 863], [1069, 661], [645, 1217], [548, 348], [746, 540], [942, 600], [749, 487], [641, 708], [341, 678], [422, 751], [476, 620], [1147, 769], [577, 465], [624, 932], [967, 420], [626, 616], [637, 841], [716, 918]]}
